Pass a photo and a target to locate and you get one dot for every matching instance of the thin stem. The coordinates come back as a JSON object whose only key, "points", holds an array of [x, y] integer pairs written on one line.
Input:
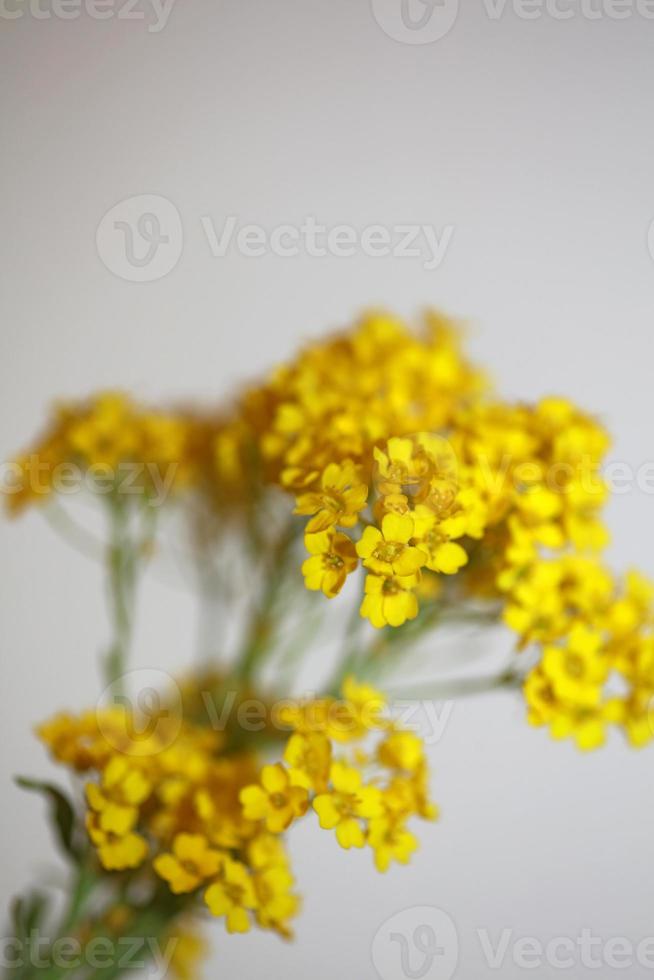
{"points": [[84, 884], [460, 687], [120, 567], [125, 555], [73, 918], [149, 924], [258, 635]]}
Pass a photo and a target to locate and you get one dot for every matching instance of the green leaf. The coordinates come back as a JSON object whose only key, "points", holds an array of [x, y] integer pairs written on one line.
{"points": [[18, 916], [37, 906], [61, 812]]}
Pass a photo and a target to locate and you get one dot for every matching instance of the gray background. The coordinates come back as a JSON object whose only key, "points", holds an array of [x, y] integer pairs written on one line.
{"points": [[534, 139]]}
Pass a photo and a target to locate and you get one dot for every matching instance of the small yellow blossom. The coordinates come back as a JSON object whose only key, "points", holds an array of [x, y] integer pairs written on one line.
{"points": [[309, 758], [277, 801], [401, 750], [232, 894], [346, 804], [389, 600], [391, 841], [192, 861], [333, 558], [578, 669], [276, 903], [338, 501], [189, 949], [387, 551]]}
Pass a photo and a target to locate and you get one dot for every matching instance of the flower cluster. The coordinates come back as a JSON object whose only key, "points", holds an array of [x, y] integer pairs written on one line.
{"points": [[365, 793], [408, 476], [170, 796], [100, 438], [211, 822], [400, 460], [379, 467], [597, 663]]}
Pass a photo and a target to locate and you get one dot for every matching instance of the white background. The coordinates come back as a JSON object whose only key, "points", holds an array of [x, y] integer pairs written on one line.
{"points": [[533, 139]]}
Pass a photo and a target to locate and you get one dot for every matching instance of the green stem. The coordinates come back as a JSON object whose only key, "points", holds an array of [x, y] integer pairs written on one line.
{"points": [[73, 917], [460, 687], [149, 925], [85, 883], [258, 636], [122, 558]]}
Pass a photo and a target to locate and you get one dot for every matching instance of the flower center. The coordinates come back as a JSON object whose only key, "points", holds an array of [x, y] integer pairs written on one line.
{"points": [[389, 551], [390, 587], [333, 501], [574, 665]]}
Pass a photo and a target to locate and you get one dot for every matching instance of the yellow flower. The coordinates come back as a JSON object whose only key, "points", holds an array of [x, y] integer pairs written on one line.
{"points": [[564, 691], [362, 711], [116, 851], [409, 794], [389, 600], [387, 551], [114, 813], [117, 800], [277, 801], [266, 851], [333, 557], [391, 841], [586, 726], [309, 757], [578, 669], [191, 863], [434, 536], [346, 804], [276, 903], [338, 501], [401, 750], [107, 433], [232, 894], [189, 948], [403, 468]]}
